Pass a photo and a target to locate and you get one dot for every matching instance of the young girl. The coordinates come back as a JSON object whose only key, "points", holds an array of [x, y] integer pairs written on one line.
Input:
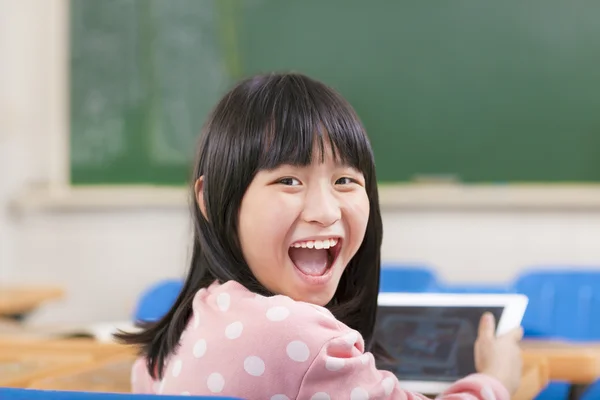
{"points": [[281, 296]]}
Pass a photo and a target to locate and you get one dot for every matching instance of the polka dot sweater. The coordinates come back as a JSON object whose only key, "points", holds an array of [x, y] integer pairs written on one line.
{"points": [[245, 345]]}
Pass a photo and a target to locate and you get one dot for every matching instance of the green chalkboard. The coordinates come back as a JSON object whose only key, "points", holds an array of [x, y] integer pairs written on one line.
{"points": [[144, 75], [481, 90]]}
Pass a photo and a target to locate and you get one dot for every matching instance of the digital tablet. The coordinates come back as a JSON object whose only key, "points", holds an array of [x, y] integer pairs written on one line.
{"points": [[430, 336]]}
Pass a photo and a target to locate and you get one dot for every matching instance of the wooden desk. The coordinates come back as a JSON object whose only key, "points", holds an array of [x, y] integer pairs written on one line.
{"points": [[26, 362], [95, 350], [15, 302], [534, 379], [69, 364], [572, 362], [577, 363], [19, 370], [110, 375]]}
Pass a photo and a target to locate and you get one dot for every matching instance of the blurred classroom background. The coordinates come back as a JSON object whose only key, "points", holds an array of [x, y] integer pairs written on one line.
{"points": [[483, 116]]}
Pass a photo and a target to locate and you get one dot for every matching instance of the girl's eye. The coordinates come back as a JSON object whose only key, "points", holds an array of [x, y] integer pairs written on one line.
{"points": [[289, 181], [344, 181]]}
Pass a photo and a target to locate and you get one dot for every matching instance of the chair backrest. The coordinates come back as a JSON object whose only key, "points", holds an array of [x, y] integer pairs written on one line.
{"points": [[155, 302], [407, 278], [475, 288], [562, 303], [31, 394]]}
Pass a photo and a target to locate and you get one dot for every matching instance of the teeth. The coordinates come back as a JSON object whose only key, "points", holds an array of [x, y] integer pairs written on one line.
{"points": [[316, 244]]}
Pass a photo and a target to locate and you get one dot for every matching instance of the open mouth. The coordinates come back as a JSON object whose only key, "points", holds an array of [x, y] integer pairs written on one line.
{"points": [[315, 257]]}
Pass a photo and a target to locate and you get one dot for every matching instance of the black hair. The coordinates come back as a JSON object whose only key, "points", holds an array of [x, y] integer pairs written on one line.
{"points": [[263, 122]]}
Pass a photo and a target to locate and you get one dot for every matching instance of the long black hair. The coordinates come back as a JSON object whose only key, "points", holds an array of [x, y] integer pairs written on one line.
{"points": [[261, 123]]}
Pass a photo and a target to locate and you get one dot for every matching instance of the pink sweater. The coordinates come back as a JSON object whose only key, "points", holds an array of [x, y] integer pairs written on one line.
{"points": [[245, 345]]}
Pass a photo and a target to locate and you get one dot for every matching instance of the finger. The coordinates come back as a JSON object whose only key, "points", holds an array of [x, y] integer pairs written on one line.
{"points": [[515, 334], [487, 326], [520, 334]]}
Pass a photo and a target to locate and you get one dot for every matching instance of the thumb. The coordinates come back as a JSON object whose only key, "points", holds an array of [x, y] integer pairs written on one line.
{"points": [[487, 326], [515, 334]]}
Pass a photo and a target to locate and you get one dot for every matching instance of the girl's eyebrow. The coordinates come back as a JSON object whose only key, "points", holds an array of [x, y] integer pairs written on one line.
{"points": [[284, 165], [348, 166]]}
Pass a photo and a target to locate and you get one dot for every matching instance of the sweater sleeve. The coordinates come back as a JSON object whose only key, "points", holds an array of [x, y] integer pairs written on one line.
{"points": [[341, 370]]}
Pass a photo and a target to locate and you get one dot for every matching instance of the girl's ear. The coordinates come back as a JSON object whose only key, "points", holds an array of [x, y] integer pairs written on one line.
{"points": [[199, 191]]}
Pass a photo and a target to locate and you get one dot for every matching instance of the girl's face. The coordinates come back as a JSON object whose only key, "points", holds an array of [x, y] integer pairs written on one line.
{"points": [[299, 226]]}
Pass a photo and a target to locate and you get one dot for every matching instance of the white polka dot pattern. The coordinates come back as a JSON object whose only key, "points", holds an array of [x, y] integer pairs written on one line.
{"points": [[388, 385], [199, 348], [278, 313], [359, 393], [364, 359], [298, 351], [334, 363], [351, 338], [215, 382], [234, 330], [177, 365], [254, 365], [223, 301]]}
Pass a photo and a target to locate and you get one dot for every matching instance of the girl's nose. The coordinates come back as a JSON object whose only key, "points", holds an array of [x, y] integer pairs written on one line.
{"points": [[321, 206]]}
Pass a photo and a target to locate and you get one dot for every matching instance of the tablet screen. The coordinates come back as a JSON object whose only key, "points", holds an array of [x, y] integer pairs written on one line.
{"points": [[430, 343]]}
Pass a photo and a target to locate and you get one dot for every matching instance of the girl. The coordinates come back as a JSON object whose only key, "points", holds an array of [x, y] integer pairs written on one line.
{"points": [[281, 296]]}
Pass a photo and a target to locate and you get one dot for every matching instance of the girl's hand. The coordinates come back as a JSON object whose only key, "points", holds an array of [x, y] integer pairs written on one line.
{"points": [[500, 356]]}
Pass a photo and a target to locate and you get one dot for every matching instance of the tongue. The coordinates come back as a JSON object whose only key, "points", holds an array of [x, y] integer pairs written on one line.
{"points": [[310, 261]]}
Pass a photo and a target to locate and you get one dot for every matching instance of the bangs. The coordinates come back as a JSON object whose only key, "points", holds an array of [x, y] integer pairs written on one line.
{"points": [[302, 117]]}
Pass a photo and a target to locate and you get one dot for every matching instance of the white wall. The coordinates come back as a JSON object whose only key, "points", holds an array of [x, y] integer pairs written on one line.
{"points": [[104, 258]]}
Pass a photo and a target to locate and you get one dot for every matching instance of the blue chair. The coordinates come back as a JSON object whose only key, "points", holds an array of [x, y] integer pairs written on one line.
{"points": [[31, 394], [474, 288], [407, 278], [563, 304], [155, 302]]}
